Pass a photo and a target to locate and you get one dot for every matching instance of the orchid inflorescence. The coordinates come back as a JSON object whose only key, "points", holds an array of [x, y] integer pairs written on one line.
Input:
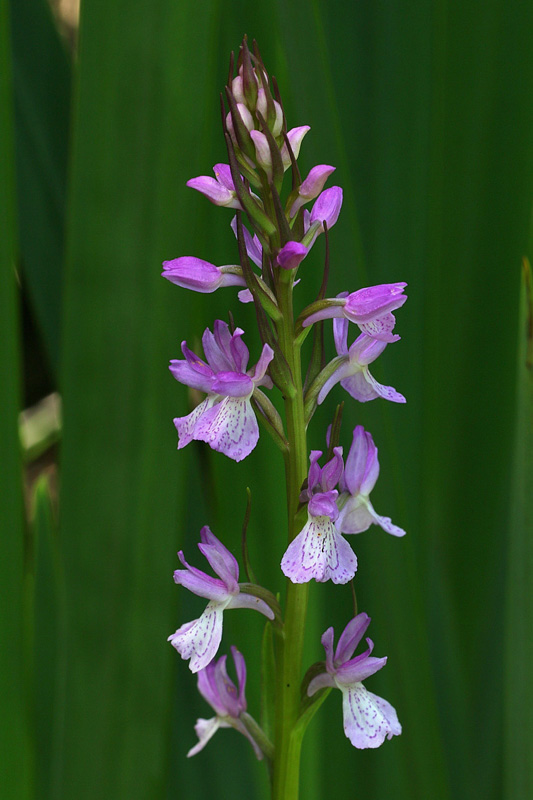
{"points": [[334, 496]]}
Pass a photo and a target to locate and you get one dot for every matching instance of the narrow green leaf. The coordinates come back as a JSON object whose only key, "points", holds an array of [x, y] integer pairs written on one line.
{"points": [[49, 616], [15, 738], [42, 79], [519, 600]]}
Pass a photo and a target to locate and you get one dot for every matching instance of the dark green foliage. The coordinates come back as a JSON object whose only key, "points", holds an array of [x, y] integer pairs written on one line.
{"points": [[426, 111]]}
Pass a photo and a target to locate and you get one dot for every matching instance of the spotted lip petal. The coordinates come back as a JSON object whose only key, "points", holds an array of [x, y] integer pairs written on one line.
{"points": [[368, 719], [186, 426], [199, 640], [230, 427], [319, 552]]}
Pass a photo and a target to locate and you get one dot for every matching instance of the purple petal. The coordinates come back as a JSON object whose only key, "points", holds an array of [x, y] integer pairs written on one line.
{"points": [[245, 296], [322, 681], [312, 186], [327, 207], [371, 471], [223, 176], [186, 426], [374, 301], [239, 351], [240, 669], [350, 638], [222, 335], [199, 583], [214, 191], [367, 720], [205, 729], [357, 670], [365, 349], [208, 688], [192, 273], [357, 460], [208, 537], [227, 690], [217, 359], [332, 471], [340, 335], [290, 256], [229, 427], [218, 564], [199, 640], [322, 504], [258, 374], [314, 473], [232, 384], [354, 517], [253, 246], [319, 552], [243, 600], [189, 376], [327, 640]]}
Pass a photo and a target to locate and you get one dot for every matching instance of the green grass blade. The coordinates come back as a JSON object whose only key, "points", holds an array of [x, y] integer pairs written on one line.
{"points": [[15, 737], [518, 771], [42, 79]]}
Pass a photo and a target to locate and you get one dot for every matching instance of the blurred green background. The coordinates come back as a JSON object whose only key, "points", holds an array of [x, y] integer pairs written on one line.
{"points": [[426, 110]]}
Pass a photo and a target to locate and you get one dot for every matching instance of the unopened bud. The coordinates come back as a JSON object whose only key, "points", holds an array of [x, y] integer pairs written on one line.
{"points": [[295, 137], [311, 187], [290, 256]]}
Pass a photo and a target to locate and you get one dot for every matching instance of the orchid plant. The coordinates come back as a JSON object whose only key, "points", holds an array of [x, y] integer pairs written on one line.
{"points": [[275, 233]]}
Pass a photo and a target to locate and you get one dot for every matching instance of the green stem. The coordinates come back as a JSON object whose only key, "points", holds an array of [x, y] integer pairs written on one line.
{"points": [[287, 747]]}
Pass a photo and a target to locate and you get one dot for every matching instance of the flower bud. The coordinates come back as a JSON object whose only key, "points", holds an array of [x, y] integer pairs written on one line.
{"points": [[262, 107], [327, 208], [290, 256], [295, 137], [262, 150], [311, 187], [201, 276]]}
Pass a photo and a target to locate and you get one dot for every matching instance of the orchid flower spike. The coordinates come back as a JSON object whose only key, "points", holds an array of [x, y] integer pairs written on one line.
{"points": [[225, 419], [199, 640], [369, 308], [227, 701], [220, 189], [353, 372], [319, 551], [356, 512], [368, 719]]}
